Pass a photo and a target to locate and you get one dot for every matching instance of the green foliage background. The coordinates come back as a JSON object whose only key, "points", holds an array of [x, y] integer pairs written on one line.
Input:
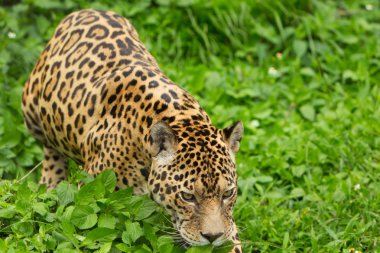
{"points": [[303, 76]]}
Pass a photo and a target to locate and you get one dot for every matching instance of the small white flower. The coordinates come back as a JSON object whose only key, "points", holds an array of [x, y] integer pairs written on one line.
{"points": [[272, 71], [254, 123], [357, 187], [11, 35], [369, 7]]}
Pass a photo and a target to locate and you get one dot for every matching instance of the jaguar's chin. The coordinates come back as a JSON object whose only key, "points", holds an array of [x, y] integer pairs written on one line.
{"points": [[187, 243], [183, 243]]}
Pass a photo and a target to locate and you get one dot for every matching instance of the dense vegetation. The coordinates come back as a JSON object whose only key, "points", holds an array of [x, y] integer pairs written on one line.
{"points": [[303, 76]]}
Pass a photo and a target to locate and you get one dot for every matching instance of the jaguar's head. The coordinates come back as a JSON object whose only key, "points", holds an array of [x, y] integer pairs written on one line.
{"points": [[193, 176]]}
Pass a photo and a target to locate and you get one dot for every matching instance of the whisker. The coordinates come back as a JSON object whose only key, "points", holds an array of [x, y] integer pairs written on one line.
{"points": [[176, 236], [241, 228], [168, 227], [167, 219]]}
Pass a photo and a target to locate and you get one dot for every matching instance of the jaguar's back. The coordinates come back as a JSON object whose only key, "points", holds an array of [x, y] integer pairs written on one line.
{"points": [[87, 47]]}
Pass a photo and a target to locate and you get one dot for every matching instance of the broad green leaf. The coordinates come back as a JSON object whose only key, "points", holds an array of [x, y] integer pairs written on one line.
{"points": [[297, 192], [121, 195], [100, 235], [7, 212], [262, 114], [105, 248], [12, 135], [339, 196], [349, 74], [23, 206], [242, 93], [143, 249], [23, 228], [83, 217], [107, 221], [150, 234], [66, 216], [225, 248], [146, 209], [66, 247], [308, 112], [23, 192], [348, 38], [299, 47], [307, 72], [133, 231], [124, 247], [184, 3], [263, 179], [65, 192], [275, 194], [299, 170], [108, 178], [165, 244], [200, 249], [40, 208], [285, 240], [51, 242], [51, 4], [90, 192], [68, 230], [164, 2]]}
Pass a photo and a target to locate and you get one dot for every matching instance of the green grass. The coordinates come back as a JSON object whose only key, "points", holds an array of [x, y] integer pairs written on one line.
{"points": [[303, 76]]}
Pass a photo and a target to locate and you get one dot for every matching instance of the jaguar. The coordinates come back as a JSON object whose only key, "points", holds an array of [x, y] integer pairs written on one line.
{"points": [[98, 97]]}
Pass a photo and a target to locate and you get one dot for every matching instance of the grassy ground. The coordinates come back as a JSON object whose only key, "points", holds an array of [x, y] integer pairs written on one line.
{"points": [[303, 76]]}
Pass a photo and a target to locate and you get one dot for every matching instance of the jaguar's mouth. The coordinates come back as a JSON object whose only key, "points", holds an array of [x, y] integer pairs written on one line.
{"points": [[183, 243], [187, 243]]}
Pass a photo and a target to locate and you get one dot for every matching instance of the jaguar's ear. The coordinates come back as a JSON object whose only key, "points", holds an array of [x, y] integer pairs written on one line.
{"points": [[233, 135], [163, 141]]}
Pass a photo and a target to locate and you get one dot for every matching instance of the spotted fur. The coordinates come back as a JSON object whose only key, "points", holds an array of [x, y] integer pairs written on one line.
{"points": [[97, 96]]}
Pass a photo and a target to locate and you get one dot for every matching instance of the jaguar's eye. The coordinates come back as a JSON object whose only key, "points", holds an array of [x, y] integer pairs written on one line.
{"points": [[188, 196], [227, 194]]}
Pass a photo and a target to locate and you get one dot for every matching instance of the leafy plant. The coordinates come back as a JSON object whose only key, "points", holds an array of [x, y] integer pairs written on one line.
{"points": [[94, 218], [301, 75]]}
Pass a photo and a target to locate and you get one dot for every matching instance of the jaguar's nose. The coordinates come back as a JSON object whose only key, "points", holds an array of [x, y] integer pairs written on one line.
{"points": [[211, 237]]}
